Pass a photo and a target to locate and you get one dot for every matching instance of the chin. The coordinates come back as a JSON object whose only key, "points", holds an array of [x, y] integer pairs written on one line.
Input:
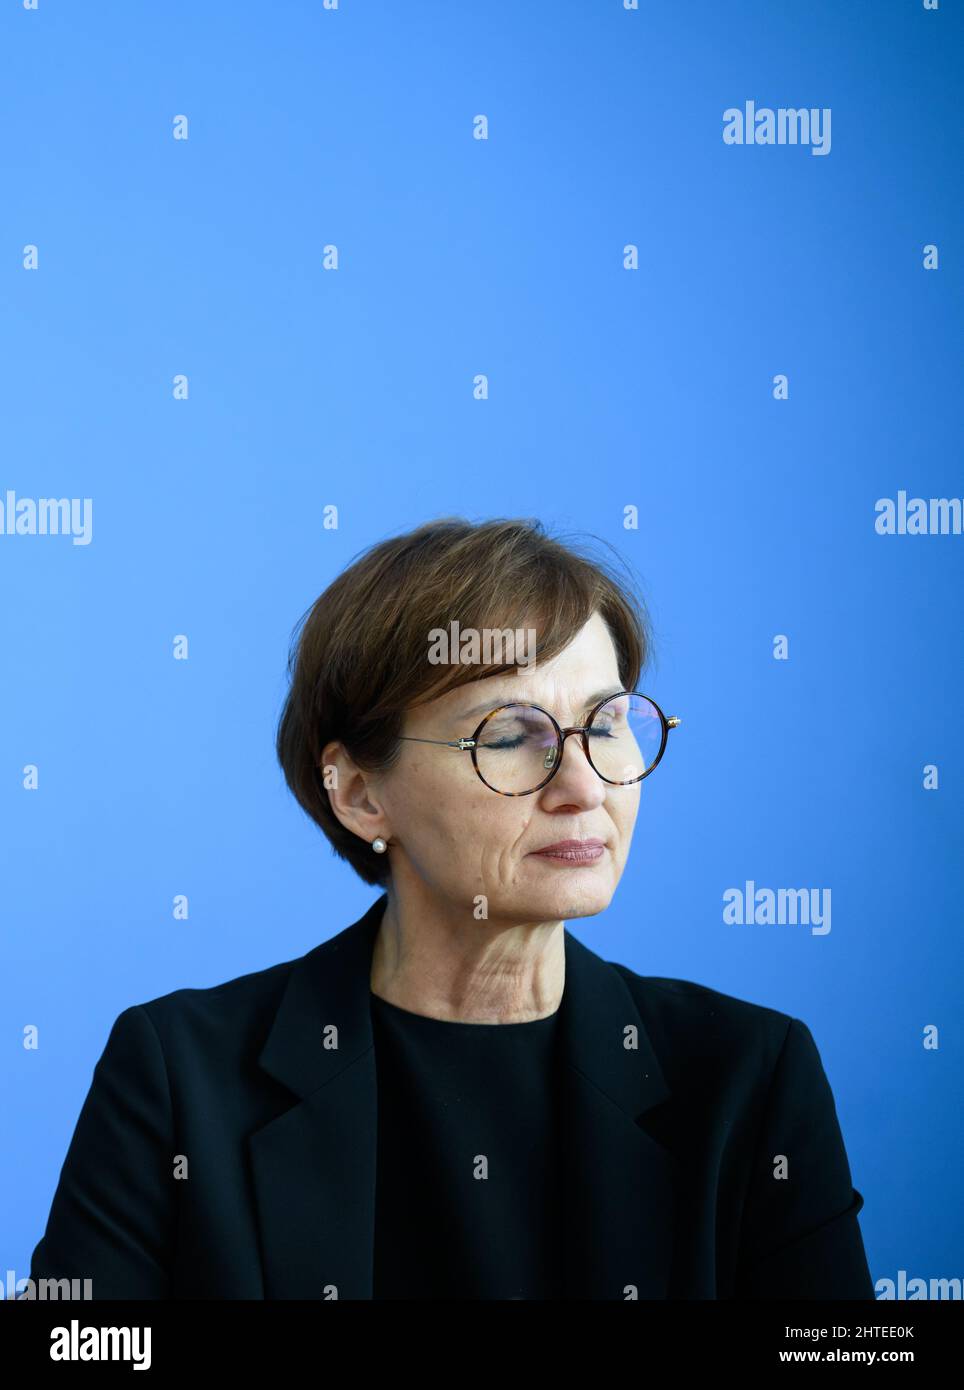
{"points": [[564, 901]]}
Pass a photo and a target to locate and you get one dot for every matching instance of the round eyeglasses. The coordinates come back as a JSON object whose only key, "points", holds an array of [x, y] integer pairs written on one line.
{"points": [[518, 747]]}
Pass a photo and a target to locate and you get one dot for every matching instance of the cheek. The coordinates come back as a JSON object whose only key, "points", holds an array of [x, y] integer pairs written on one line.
{"points": [[499, 841], [464, 845], [624, 812], [493, 824], [440, 812], [425, 801]]}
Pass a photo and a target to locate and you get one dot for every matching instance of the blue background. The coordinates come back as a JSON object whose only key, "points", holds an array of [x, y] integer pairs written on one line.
{"points": [[608, 388]]}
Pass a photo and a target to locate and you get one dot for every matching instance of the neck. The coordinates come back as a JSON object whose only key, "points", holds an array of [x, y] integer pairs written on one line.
{"points": [[438, 959]]}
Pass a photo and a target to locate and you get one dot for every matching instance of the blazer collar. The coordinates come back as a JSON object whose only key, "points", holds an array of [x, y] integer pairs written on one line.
{"points": [[313, 1166]]}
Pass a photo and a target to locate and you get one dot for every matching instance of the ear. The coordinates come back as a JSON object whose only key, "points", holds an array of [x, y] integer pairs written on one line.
{"points": [[352, 793]]}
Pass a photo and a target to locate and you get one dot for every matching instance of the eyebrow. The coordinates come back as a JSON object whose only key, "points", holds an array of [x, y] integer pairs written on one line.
{"points": [[506, 699]]}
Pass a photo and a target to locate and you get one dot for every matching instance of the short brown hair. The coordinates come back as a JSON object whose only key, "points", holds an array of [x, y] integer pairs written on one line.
{"points": [[358, 656]]}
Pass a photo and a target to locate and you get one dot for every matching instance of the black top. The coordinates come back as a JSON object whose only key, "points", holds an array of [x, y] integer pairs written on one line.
{"points": [[467, 1187]]}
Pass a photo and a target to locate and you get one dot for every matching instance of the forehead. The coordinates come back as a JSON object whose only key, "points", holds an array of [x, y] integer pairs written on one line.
{"points": [[577, 678]]}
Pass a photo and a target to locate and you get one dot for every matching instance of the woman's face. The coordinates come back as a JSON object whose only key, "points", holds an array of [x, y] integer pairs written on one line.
{"points": [[453, 839]]}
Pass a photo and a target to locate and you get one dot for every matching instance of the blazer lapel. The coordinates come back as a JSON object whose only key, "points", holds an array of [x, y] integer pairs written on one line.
{"points": [[313, 1167]]}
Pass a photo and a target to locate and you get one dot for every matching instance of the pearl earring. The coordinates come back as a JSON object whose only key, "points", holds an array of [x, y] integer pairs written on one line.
{"points": [[379, 845]]}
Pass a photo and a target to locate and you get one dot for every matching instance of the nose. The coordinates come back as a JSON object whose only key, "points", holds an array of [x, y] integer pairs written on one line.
{"points": [[575, 774]]}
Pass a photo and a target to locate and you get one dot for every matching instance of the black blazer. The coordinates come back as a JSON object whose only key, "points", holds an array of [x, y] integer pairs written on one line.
{"points": [[678, 1103]]}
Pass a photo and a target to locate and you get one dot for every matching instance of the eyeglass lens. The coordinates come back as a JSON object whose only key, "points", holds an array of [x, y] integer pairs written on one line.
{"points": [[517, 746]]}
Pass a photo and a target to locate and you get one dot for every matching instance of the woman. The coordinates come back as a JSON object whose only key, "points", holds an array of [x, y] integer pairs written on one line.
{"points": [[454, 1097]]}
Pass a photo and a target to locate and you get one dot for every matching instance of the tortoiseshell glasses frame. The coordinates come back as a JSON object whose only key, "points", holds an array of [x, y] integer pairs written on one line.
{"points": [[470, 745]]}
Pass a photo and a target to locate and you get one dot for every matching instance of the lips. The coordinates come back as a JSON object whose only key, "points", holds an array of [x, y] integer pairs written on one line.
{"points": [[573, 847], [572, 851]]}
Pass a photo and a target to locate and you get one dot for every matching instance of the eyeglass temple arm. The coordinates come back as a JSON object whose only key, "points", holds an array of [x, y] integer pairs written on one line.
{"points": [[462, 743], [672, 722]]}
